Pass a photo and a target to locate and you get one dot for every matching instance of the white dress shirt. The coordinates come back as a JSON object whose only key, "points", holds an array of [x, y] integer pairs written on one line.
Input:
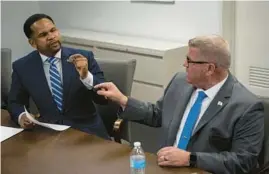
{"points": [[211, 93], [88, 81]]}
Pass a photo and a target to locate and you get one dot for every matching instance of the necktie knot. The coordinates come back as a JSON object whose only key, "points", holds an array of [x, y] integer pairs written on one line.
{"points": [[51, 60], [201, 96]]}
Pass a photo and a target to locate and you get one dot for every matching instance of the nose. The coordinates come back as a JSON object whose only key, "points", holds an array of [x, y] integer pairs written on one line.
{"points": [[51, 36], [185, 64]]}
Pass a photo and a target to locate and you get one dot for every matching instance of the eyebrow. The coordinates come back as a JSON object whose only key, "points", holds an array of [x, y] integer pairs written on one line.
{"points": [[45, 32]]}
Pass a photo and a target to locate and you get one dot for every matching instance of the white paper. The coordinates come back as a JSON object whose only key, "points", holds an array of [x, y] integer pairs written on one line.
{"points": [[48, 125], [7, 132]]}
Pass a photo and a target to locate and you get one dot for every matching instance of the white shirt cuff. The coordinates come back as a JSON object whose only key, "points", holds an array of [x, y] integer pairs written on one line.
{"points": [[19, 118], [88, 81]]}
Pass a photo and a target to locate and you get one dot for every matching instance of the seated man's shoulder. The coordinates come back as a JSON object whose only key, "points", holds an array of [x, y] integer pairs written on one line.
{"points": [[20, 62], [178, 80], [179, 77], [241, 94]]}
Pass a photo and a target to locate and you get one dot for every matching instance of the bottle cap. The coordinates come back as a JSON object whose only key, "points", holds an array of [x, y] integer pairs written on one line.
{"points": [[136, 144]]}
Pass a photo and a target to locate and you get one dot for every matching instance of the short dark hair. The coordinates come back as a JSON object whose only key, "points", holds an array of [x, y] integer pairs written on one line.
{"points": [[32, 19]]}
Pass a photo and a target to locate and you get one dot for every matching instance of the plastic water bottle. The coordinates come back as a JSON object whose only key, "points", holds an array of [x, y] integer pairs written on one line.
{"points": [[137, 159]]}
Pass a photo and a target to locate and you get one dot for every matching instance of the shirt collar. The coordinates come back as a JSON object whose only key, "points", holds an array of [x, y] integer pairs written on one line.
{"points": [[212, 92], [44, 58]]}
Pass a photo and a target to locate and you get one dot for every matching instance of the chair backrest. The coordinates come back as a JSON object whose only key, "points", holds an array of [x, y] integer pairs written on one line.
{"points": [[5, 73], [264, 169], [265, 152], [121, 73]]}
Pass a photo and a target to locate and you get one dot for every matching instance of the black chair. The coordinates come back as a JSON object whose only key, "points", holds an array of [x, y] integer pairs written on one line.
{"points": [[5, 75], [264, 156], [264, 169], [121, 73], [266, 133]]}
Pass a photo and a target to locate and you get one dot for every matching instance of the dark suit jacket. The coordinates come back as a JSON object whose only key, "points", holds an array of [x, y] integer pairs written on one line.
{"points": [[227, 139], [28, 79]]}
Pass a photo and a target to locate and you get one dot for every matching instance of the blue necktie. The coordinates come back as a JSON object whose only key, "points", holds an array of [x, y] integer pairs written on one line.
{"points": [[190, 122], [56, 83]]}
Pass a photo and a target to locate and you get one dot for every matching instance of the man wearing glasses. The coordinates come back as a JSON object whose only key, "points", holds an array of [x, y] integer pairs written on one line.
{"points": [[209, 119]]}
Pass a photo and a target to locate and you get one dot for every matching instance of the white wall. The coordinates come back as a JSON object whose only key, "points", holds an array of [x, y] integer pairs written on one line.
{"points": [[175, 22], [13, 16], [252, 43]]}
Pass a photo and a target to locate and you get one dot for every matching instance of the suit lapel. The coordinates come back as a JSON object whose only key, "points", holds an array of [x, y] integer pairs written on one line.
{"points": [[219, 102], [36, 66], [68, 69], [178, 113]]}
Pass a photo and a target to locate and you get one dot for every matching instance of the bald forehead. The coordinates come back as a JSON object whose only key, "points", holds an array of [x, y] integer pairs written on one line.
{"points": [[193, 52]]}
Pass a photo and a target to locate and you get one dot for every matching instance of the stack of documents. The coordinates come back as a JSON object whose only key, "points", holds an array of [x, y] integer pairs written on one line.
{"points": [[56, 127], [7, 132]]}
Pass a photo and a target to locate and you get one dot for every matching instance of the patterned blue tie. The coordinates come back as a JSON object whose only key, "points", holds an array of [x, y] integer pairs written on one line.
{"points": [[191, 120], [56, 84]]}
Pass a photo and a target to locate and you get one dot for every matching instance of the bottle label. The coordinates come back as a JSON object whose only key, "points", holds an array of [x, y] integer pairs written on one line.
{"points": [[138, 164]]}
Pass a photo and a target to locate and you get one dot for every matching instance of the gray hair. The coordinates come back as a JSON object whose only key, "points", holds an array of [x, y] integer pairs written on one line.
{"points": [[213, 48]]}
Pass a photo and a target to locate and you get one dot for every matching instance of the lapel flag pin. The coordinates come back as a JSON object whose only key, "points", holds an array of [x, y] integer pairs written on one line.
{"points": [[220, 103]]}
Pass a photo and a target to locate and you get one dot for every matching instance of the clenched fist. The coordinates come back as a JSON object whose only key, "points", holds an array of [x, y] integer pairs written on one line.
{"points": [[81, 64]]}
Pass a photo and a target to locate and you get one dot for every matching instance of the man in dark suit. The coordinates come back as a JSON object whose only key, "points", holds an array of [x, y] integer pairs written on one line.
{"points": [[209, 119], [61, 90]]}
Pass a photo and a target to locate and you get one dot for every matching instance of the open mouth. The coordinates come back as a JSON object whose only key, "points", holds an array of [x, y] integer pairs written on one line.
{"points": [[54, 43]]}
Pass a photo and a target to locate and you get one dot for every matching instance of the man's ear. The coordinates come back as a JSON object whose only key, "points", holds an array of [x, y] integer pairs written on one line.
{"points": [[211, 69], [32, 43]]}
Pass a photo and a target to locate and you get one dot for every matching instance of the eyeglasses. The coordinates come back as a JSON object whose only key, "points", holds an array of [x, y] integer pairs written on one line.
{"points": [[195, 62]]}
